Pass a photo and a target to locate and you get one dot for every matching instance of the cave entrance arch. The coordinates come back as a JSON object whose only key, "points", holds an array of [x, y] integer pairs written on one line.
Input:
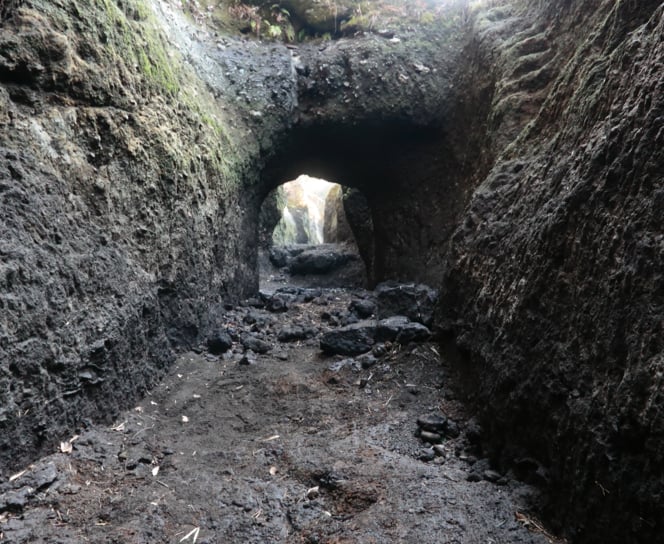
{"points": [[314, 232], [414, 176]]}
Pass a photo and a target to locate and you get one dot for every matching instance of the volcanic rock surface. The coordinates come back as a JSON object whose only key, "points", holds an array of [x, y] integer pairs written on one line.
{"points": [[509, 156]]}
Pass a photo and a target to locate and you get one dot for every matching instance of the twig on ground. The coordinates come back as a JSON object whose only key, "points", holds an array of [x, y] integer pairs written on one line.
{"points": [[194, 532], [535, 526]]}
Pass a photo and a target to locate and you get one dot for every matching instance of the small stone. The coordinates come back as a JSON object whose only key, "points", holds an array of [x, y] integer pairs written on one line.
{"points": [[255, 344], [277, 304], [349, 319], [473, 477], [491, 475], [337, 366], [413, 332], [379, 350], [16, 500], [247, 360], [415, 301], [42, 477], [250, 318], [313, 492], [432, 438], [70, 489], [470, 459], [309, 295], [452, 429], [388, 329], [363, 308], [432, 422], [440, 450], [350, 340], [367, 360], [219, 343], [296, 333], [426, 455]]}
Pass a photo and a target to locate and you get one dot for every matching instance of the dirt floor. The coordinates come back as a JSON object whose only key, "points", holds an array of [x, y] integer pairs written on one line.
{"points": [[288, 446]]}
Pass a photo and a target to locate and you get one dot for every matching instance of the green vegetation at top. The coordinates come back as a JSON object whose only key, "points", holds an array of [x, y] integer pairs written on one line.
{"points": [[135, 40], [301, 20]]}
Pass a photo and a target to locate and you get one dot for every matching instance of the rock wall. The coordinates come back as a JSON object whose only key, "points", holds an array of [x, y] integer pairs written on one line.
{"points": [[120, 219], [402, 121], [515, 161], [137, 148], [554, 287]]}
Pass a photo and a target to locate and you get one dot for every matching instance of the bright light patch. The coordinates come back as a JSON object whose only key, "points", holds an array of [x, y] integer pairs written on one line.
{"points": [[303, 216]]}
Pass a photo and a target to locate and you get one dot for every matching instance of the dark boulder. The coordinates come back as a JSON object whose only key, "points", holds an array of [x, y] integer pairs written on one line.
{"points": [[296, 333], [219, 342], [255, 344], [278, 303], [363, 307], [415, 301], [281, 256], [388, 329], [413, 332], [351, 340], [402, 330], [320, 260]]}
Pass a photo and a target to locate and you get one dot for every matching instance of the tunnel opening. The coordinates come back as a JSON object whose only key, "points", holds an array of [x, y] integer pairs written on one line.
{"points": [[406, 182], [314, 233]]}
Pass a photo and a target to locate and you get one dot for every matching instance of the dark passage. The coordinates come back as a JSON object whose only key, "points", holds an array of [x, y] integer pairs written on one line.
{"points": [[397, 175]]}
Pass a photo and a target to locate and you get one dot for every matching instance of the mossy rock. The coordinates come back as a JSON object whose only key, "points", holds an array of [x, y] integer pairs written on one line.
{"points": [[321, 16]]}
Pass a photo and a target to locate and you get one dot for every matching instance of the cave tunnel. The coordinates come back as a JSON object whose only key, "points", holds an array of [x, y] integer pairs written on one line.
{"points": [[315, 232], [409, 176]]}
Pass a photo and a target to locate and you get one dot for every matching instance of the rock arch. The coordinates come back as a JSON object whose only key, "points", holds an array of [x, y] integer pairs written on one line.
{"points": [[411, 187]]}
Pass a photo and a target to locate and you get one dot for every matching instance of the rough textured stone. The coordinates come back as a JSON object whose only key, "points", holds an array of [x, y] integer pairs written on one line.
{"points": [[554, 289], [336, 229], [363, 308], [255, 344], [296, 333], [320, 260], [113, 198], [388, 329], [219, 342], [520, 154], [432, 422], [402, 330], [416, 302], [413, 332], [280, 255], [350, 340]]}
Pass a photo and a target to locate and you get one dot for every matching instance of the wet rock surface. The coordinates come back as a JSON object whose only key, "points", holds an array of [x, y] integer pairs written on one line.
{"points": [[261, 449]]}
